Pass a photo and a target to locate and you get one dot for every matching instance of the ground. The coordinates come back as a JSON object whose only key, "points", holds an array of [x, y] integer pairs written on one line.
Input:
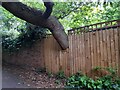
{"points": [[17, 77]]}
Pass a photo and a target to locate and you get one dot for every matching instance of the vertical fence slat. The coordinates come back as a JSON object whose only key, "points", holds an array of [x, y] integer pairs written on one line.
{"points": [[68, 64], [61, 62], [95, 46], [84, 54], [54, 59], [101, 52], [116, 49], [119, 51], [69, 55], [48, 58], [77, 59], [109, 47], [50, 54], [72, 64], [89, 54], [105, 48], [112, 48], [80, 52], [92, 52], [87, 51], [75, 56], [57, 57], [45, 54], [98, 50], [114, 62], [73, 53]]}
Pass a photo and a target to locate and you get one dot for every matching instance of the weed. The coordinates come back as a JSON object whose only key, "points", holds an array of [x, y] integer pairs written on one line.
{"points": [[60, 75], [57, 82], [49, 74]]}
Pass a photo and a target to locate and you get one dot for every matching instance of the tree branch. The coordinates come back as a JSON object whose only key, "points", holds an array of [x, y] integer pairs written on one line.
{"points": [[64, 15], [49, 5], [36, 17]]}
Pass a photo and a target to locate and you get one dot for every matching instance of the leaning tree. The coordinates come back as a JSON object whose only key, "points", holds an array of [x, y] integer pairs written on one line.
{"points": [[39, 18]]}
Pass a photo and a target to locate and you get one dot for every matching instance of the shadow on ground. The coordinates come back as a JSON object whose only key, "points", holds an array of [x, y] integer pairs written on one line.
{"points": [[10, 79]]}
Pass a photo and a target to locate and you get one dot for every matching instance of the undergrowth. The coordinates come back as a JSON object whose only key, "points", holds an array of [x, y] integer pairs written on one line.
{"points": [[29, 34], [107, 82]]}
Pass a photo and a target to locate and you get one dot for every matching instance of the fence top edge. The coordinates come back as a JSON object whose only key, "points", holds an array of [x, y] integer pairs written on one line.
{"points": [[94, 25]]}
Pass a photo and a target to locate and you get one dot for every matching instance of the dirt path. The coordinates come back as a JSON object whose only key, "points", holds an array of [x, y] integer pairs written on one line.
{"points": [[11, 80], [16, 77]]}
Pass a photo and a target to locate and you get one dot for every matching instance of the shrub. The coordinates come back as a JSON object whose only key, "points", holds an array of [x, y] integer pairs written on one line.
{"points": [[108, 82], [28, 35]]}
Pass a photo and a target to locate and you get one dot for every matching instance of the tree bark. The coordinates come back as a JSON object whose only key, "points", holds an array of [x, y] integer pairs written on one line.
{"points": [[39, 18]]}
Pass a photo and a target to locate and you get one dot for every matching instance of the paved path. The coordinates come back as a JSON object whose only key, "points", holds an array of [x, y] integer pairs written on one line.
{"points": [[10, 80]]}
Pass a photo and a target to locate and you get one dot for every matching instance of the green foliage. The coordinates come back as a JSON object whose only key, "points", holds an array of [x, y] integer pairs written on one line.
{"points": [[76, 14], [60, 75], [71, 14], [49, 74], [27, 37], [97, 68], [110, 70], [17, 33], [36, 4], [9, 24], [108, 82], [58, 82]]}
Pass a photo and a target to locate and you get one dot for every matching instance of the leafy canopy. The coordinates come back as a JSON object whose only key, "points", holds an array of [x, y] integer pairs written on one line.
{"points": [[70, 14]]}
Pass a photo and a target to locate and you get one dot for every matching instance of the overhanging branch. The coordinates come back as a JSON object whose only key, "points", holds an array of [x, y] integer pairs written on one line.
{"points": [[49, 7], [37, 17]]}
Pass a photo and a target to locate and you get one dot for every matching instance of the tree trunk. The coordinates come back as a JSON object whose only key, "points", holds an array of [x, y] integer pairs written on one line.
{"points": [[37, 17]]}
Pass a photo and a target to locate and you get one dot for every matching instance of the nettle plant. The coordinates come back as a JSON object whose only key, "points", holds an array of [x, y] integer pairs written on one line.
{"points": [[107, 82]]}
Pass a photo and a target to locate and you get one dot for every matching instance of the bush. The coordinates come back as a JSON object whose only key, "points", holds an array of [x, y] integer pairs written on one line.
{"points": [[26, 38], [108, 82]]}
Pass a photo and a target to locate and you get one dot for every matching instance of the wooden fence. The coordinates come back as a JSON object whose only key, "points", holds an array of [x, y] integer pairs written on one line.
{"points": [[92, 46], [96, 45]]}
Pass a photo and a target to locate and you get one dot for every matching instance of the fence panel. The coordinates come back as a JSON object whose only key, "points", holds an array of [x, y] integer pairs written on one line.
{"points": [[91, 46], [86, 51]]}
